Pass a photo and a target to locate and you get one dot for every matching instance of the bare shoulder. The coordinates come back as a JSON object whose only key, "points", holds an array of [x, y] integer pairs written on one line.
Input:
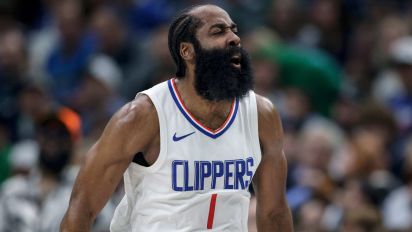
{"points": [[270, 126], [133, 126], [265, 108], [136, 113], [136, 110]]}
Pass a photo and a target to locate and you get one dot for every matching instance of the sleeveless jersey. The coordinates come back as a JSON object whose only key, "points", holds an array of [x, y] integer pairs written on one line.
{"points": [[200, 179]]}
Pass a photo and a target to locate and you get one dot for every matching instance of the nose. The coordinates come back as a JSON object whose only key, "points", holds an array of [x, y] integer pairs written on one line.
{"points": [[234, 40]]}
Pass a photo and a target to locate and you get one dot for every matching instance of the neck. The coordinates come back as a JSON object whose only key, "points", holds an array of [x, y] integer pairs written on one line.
{"points": [[210, 113]]}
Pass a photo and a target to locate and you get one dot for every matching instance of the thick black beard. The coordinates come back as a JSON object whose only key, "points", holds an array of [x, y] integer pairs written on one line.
{"points": [[217, 79]]}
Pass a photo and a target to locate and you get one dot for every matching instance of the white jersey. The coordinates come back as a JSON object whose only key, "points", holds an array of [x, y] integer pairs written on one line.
{"points": [[200, 180]]}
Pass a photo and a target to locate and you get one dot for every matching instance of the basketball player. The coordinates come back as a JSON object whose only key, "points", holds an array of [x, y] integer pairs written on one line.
{"points": [[189, 147]]}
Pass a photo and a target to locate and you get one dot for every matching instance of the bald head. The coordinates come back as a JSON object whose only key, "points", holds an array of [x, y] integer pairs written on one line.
{"points": [[209, 14], [205, 10]]}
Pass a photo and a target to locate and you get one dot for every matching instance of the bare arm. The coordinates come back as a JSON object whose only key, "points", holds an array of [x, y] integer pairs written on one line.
{"points": [[269, 182], [130, 130]]}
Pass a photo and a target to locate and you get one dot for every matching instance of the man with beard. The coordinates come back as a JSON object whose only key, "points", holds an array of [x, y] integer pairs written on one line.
{"points": [[37, 202], [189, 147]]}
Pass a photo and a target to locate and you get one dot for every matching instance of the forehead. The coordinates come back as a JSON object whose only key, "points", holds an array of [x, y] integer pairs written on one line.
{"points": [[210, 15]]}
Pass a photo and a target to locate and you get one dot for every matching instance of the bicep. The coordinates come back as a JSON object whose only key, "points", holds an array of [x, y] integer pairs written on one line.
{"points": [[270, 178], [127, 132], [269, 184], [97, 178]]}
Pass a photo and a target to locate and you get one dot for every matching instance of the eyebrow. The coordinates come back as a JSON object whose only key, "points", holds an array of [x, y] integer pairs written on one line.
{"points": [[223, 26]]}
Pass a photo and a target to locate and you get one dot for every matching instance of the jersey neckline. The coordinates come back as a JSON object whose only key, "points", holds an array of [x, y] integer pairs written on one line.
{"points": [[196, 123]]}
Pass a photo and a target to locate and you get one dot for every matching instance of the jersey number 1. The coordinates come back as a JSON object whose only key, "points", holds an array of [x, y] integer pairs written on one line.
{"points": [[211, 211]]}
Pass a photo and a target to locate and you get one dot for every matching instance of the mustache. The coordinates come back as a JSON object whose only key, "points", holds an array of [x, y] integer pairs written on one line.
{"points": [[226, 54]]}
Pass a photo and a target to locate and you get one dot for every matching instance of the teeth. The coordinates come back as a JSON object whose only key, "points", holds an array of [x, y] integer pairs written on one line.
{"points": [[235, 59]]}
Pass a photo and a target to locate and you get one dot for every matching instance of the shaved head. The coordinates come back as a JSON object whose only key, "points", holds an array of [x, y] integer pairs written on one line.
{"points": [[203, 10]]}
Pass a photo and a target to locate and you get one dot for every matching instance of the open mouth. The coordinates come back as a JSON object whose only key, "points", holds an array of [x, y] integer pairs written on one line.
{"points": [[235, 61]]}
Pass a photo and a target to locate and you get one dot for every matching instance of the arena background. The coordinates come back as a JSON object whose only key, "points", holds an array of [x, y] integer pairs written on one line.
{"points": [[338, 71]]}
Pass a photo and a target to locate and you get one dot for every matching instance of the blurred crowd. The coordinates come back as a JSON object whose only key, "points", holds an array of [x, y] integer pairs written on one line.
{"points": [[338, 71]]}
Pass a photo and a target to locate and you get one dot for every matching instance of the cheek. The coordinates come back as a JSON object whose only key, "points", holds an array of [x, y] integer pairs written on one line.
{"points": [[212, 43]]}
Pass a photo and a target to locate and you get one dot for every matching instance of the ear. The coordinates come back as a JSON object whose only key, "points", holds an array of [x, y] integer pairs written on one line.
{"points": [[187, 51]]}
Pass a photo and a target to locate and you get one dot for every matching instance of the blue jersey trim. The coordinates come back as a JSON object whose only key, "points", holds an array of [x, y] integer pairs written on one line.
{"points": [[205, 132]]}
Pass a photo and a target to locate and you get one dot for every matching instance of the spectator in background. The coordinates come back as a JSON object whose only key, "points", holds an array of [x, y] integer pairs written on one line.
{"points": [[157, 64], [13, 76], [297, 109], [267, 74], [34, 104], [357, 66], [23, 157], [401, 103], [267, 80], [72, 52], [309, 217], [378, 122], [396, 210], [163, 65], [352, 209], [283, 17], [42, 41], [116, 41], [362, 219], [37, 202], [367, 153], [388, 83], [345, 112], [97, 97], [319, 140], [390, 28], [325, 29]]}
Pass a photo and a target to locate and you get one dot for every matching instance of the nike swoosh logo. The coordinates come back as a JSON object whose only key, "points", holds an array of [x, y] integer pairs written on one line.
{"points": [[177, 138]]}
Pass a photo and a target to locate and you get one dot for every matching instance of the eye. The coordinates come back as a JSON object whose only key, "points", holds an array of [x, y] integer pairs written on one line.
{"points": [[217, 32]]}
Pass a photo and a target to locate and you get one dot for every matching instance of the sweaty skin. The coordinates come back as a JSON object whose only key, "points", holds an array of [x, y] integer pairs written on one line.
{"points": [[135, 128]]}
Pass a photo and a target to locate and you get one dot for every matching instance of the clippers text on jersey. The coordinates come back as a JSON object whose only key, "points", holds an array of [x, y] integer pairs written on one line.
{"points": [[200, 175]]}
